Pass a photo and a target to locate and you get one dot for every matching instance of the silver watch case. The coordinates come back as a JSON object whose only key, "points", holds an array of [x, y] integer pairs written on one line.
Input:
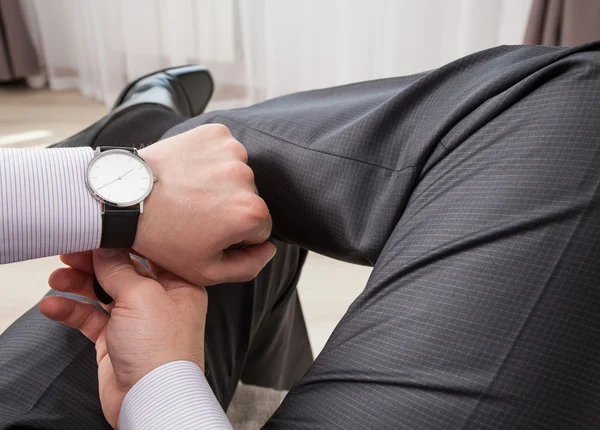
{"points": [[139, 201]]}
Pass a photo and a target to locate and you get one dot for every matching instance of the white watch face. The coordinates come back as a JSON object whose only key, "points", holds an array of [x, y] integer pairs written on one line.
{"points": [[119, 177]]}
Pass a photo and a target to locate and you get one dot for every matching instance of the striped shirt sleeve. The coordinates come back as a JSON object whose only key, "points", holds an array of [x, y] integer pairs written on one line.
{"points": [[45, 207], [175, 395]]}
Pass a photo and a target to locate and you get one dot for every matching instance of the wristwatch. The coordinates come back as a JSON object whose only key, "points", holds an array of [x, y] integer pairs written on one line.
{"points": [[120, 180]]}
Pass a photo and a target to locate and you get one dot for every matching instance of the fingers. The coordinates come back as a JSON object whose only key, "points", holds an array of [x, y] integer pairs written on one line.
{"points": [[101, 348], [260, 233], [142, 269], [170, 281], [191, 299], [156, 269], [80, 260], [236, 149], [241, 265], [253, 220], [85, 317], [68, 280], [116, 272]]}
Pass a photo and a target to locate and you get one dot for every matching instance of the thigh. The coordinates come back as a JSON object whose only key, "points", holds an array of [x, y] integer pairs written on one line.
{"points": [[48, 377], [336, 166], [483, 310]]}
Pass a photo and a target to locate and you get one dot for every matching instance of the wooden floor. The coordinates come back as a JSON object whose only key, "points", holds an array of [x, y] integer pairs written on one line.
{"points": [[37, 118]]}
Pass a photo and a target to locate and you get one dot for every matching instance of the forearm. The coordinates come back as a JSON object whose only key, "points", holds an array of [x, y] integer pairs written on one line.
{"points": [[45, 206]]}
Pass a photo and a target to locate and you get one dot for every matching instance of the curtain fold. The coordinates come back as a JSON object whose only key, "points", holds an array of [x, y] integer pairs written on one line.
{"points": [[257, 49], [17, 55], [563, 22]]}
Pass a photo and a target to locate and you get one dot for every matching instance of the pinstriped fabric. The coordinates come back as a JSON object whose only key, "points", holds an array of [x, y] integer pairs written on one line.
{"points": [[475, 190], [46, 208], [175, 395]]}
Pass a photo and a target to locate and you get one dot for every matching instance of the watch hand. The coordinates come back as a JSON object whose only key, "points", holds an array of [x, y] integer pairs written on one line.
{"points": [[122, 176], [107, 184], [115, 180]]}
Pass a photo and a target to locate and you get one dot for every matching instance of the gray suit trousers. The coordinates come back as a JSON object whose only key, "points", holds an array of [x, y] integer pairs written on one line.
{"points": [[474, 190]]}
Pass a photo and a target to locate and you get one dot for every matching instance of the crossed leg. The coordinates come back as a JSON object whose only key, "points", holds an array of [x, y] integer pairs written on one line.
{"points": [[474, 189]]}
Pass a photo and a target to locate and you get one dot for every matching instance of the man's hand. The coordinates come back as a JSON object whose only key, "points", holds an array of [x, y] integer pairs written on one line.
{"points": [[155, 319], [203, 203]]}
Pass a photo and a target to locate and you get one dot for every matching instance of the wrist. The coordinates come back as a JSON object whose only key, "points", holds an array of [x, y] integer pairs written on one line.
{"points": [[144, 231]]}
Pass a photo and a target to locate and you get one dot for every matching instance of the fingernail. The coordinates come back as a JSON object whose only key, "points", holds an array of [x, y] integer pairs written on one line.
{"points": [[109, 252], [273, 254]]}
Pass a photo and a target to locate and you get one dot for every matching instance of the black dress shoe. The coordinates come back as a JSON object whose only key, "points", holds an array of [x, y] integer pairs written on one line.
{"points": [[185, 90]]}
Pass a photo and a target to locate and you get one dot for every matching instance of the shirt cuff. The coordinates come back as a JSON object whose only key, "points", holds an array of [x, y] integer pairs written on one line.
{"points": [[175, 395], [45, 206]]}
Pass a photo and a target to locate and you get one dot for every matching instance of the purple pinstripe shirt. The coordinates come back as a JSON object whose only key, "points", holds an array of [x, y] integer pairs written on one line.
{"points": [[46, 209]]}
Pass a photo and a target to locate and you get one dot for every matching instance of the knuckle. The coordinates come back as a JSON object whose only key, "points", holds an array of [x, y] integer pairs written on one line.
{"points": [[231, 168], [254, 209], [258, 209], [246, 173], [217, 130], [238, 171], [237, 149], [87, 320]]}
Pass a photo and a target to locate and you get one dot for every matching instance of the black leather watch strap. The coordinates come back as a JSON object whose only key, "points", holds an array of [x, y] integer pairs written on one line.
{"points": [[119, 226], [123, 148], [100, 293]]}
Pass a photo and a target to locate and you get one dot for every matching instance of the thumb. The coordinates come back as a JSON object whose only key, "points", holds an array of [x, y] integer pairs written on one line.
{"points": [[180, 290], [115, 272]]}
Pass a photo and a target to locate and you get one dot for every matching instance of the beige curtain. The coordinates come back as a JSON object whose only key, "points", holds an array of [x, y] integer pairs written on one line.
{"points": [[563, 22], [17, 56], [259, 49]]}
